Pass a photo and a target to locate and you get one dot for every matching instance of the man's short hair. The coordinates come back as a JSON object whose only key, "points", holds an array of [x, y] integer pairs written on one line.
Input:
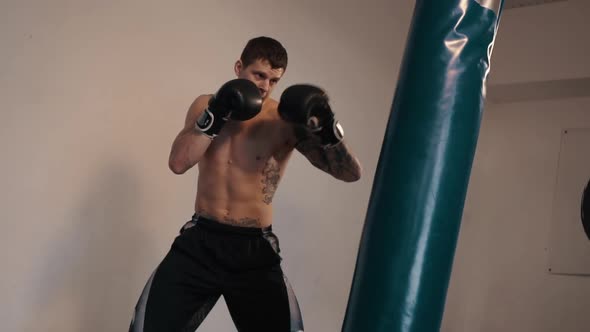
{"points": [[265, 48]]}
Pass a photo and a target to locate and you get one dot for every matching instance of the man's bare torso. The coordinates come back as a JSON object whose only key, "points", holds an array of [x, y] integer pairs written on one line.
{"points": [[240, 172]]}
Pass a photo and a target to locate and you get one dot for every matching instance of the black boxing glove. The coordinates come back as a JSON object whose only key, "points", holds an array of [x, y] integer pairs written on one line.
{"points": [[309, 106], [238, 99]]}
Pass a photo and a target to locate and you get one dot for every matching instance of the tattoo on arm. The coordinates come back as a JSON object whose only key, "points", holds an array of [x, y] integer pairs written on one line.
{"points": [[336, 160], [271, 176]]}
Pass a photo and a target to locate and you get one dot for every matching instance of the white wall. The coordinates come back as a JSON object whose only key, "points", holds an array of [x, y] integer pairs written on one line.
{"points": [[92, 94], [500, 280]]}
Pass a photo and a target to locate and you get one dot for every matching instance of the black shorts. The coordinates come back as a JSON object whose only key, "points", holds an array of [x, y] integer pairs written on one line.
{"points": [[209, 259]]}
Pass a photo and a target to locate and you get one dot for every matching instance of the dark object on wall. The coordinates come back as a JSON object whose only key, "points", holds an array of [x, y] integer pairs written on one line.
{"points": [[585, 210]]}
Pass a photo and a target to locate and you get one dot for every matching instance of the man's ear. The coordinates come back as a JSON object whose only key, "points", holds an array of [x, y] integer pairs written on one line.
{"points": [[238, 67]]}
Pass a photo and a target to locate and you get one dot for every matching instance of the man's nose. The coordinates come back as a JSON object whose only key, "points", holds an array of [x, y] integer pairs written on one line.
{"points": [[264, 85]]}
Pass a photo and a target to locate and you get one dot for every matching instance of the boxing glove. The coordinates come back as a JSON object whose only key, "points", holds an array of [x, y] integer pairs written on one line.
{"points": [[308, 106], [238, 99]]}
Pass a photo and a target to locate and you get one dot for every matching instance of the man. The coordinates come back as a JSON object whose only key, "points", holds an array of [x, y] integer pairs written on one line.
{"points": [[241, 140]]}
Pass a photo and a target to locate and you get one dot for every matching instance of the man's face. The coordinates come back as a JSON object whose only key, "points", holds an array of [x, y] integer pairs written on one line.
{"points": [[261, 73]]}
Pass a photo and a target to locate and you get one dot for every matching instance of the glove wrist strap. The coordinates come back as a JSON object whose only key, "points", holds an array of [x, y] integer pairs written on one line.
{"points": [[209, 124]]}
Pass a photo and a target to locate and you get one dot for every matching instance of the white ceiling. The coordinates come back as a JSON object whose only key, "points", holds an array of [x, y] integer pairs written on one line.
{"points": [[512, 4], [538, 89]]}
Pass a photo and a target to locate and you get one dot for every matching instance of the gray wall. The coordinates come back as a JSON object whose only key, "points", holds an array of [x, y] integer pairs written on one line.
{"points": [[92, 95], [500, 280]]}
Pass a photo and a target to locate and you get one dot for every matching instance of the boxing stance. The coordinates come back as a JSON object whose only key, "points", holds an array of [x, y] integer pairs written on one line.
{"points": [[241, 140]]}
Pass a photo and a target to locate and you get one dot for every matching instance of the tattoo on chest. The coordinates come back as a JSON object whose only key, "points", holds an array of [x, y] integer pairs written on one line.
{"points": [[270, 180]]}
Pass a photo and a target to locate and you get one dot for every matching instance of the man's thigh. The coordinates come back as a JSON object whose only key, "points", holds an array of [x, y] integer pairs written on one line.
{"points": [[264, 302], [180, 292]]}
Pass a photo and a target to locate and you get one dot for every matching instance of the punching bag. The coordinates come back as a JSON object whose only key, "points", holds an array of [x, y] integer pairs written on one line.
{"points": [[412, 223]]}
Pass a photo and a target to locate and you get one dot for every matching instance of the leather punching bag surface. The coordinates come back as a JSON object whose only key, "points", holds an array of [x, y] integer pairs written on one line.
{"points": [[412, 223]]}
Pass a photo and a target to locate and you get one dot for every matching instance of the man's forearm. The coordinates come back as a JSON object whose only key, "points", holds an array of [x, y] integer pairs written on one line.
{"points": [[187, 150], [337, 160], [342, 163]]}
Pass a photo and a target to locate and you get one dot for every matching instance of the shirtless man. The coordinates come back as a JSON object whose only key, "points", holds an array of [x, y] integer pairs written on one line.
{"points": [[241, 140]]}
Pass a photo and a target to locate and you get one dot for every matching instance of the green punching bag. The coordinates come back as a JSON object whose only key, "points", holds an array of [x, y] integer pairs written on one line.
{"points": [[410, 233]]}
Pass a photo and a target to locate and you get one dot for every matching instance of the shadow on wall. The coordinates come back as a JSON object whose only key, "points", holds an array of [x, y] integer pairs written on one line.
{"points": [[90, 270], [306, 248]]}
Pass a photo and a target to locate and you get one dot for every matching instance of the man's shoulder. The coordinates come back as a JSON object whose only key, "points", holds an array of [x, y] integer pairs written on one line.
{"points": [[271, 103], [205, 97], [270, 108], [202, 98]]}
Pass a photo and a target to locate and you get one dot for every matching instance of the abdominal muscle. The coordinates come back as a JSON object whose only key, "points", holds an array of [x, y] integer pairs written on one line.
{"points": [[238, 178], [234, 198]]}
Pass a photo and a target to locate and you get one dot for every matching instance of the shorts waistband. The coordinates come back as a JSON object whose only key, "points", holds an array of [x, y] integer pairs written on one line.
{"points": [[214, 225]]}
